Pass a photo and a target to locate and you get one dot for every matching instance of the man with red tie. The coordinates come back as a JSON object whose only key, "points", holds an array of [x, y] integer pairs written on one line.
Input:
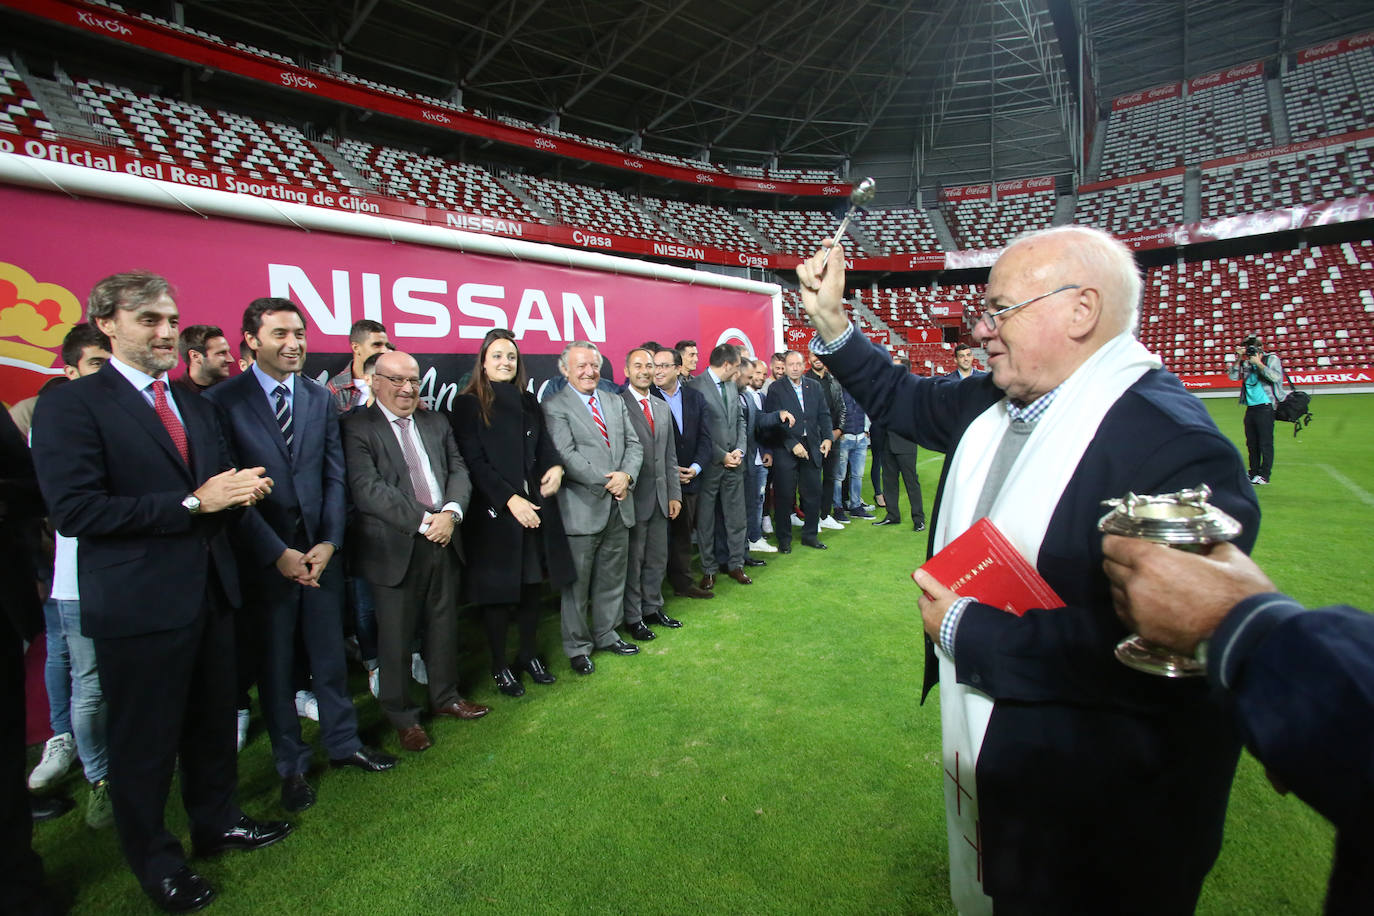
{"points": [[142, 475]]}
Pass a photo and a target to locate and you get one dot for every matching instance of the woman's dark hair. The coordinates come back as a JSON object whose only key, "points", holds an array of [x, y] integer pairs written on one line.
{"points": [[480, 385]]}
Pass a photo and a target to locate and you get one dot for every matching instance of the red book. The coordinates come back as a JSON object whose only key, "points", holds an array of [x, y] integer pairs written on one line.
{"points": [[982, 564]]}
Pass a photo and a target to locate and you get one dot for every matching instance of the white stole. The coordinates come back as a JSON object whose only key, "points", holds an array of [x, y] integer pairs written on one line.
{"points": [[1022, 511]]}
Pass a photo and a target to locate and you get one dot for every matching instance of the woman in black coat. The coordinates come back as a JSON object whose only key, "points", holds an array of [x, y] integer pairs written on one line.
{"points": [[512, 533]]}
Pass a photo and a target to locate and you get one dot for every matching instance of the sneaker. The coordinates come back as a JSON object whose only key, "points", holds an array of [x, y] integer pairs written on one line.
{"points": [[868, 507], [830, 524], [417, 669], [796, 521], [762, 546], [99, 812], [1260, 481], [374, 680], [243, 728], [58, 755], [307, 707], [840, 516], [860, 513], [918, 526], [767, 525]]}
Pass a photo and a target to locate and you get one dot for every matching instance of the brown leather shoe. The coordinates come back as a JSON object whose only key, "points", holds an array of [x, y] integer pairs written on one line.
{"points": [[691, 591], [708, 582], [414, 738], [462, 710], [740, 576]]}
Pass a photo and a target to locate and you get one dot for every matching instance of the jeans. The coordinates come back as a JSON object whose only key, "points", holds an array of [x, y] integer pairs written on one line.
{"points": [[88, 710], [57, 671], [853, 453], [365, 618], [755, 479]]}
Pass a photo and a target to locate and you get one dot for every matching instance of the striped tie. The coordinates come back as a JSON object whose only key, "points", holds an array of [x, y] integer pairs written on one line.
{"points": [[600, 423], [284, 415]]}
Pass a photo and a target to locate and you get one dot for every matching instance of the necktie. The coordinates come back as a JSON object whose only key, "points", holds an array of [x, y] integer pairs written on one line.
{"points": [[724, 398], [600, 423], [169, 420], [284, 416], [413, 466], [648, 414]]}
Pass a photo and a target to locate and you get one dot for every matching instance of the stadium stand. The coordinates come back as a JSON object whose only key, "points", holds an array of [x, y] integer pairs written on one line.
{"points": [[433, 182], [1227, 120], [703, 224], [1133, 207], [1327, 173], [1313, 306], [19, 112], [592, 208], [171, 131], [900, 230], [1144, 138], [795, 231], [1330, 96], [991, 224]]}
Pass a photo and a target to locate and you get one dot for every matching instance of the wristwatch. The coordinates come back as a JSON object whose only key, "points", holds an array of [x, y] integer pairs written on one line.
{"points": [[192, 504]]}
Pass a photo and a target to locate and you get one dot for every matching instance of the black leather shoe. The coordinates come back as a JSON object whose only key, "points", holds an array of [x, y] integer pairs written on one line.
{"points": [[366, 758], [296, 794], [752, 561], [183, 891], [47, 807], [246, 834], [620, 647], [538, 673], [639, 631], [887, 520], [663, 620], [508, 683], [784, 548], [582, 664], [814, 544]]}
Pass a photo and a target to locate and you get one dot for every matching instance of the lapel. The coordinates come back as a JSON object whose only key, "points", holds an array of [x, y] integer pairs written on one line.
{"points": [[382, 430], [256, 402], [582, 416], [636, 411], [431, 437], [131, 401]]}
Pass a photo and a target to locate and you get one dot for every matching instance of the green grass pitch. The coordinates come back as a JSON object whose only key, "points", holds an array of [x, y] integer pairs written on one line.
{"points": [[769, 757]]}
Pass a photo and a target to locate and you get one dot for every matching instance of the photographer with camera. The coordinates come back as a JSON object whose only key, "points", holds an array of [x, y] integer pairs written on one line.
{"points": [[1261, 376]]}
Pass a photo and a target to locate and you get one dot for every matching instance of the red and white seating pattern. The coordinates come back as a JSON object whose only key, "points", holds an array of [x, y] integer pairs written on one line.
{"points": [[433, 182], [1330, 96], [991, 224], [702, 224], [1133, 207], [1328, 173], [1313, 307], [592, 208], [1145, 138], [1227, 120], [19, 112], [797, 232], [172, 131], [900, 230]]}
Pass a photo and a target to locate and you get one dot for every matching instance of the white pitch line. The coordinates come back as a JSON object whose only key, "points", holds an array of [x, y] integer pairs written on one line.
{"points": [[1361, 494]]}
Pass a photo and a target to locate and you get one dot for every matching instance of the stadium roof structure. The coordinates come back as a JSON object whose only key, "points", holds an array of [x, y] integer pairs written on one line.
{"points": [[912, 91]]}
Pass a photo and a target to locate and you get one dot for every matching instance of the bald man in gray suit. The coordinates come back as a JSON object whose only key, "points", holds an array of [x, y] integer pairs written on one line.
{"points": [[658, 498], [601, 459]]}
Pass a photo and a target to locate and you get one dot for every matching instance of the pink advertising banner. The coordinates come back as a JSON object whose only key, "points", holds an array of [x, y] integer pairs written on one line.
{"points": [[437, 303]]}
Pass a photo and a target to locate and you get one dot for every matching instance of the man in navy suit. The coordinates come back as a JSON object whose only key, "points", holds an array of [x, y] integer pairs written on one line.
{"points": [[1074, 412], [143, 476], [797, 461], [693, 444], [290, 426]]}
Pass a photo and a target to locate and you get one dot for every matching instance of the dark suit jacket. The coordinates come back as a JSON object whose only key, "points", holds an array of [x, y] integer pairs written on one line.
{"points": [[813, 417], [758, 424], [309, 489], [693, 441], [724, 418], [658, 481], [21, 507], [1073, 728], [113, 478], [389, 515], [506, 458]]}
